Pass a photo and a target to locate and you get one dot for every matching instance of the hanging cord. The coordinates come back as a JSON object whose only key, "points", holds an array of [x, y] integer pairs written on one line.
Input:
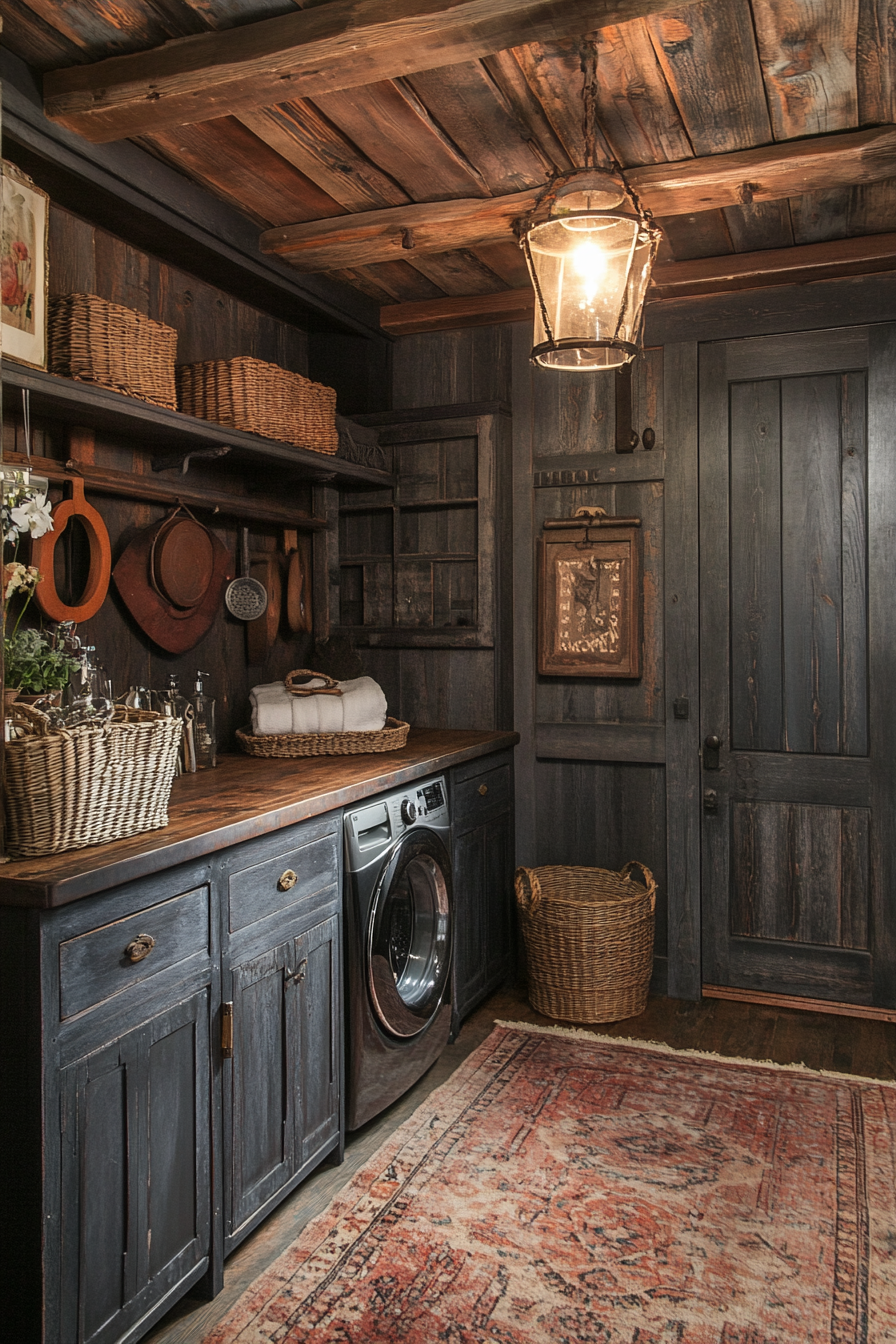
{"points": [[588, 64], [26, 412]]}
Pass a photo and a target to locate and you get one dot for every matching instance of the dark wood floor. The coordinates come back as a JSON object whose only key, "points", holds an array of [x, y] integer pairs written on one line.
{"points": [[749, 1031]]}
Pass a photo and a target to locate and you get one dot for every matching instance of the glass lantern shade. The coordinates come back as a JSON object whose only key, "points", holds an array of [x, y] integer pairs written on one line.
{"points": [[590, 272]]}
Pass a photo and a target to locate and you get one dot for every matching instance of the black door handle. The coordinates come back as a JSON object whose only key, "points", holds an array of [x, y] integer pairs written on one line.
{"points": [[712, 745]]}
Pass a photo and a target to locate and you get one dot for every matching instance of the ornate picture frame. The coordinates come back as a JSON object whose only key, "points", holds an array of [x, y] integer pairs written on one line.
{"points": [[589, 608], [23, 268]]}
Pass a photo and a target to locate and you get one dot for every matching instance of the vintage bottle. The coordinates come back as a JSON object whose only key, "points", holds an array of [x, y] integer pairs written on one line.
{"points": [[204, 725]]}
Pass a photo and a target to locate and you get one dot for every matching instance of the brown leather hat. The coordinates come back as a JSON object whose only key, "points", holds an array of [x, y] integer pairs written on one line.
{"points": [[171, 577]]}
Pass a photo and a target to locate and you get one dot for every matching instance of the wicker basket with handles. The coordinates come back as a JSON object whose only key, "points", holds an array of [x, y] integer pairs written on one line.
{"points": [[391, 737], [99, 342], [71, 787], [589, 940], [260, 398]]}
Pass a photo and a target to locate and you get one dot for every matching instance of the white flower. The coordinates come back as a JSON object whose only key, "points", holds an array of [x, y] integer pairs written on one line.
{"points": [[33, 515]]}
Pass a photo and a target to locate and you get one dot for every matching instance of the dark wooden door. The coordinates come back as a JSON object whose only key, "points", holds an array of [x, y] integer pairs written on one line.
{"points": [[135, 1172], [798, 657]]}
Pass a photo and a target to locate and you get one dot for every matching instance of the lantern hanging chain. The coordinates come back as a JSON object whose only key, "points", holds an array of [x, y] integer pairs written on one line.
{"points": [[589, 99]]}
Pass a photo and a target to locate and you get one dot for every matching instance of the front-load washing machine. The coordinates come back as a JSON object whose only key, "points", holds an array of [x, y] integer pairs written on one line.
{"points": [[399, 931]]}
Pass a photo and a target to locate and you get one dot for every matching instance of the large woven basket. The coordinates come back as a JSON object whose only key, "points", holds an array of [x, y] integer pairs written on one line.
{"points": [[104, 343], [67, 788], [390, 738], [262, 399], [589, 940]]}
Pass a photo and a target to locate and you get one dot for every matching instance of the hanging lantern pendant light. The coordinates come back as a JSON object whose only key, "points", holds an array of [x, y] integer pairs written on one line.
{"points": [[590, 249]]}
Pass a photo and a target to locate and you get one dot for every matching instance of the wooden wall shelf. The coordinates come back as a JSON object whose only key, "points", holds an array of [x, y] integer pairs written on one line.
{"points": [[56, 398]]}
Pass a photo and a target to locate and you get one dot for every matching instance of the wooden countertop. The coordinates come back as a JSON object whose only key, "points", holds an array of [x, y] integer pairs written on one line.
{"points": [[244, 797]]}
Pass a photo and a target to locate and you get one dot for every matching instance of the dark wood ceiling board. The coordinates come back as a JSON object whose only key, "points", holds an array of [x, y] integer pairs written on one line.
{"points": [[808, 55], [505, 70], [458, 272], [876, 62], [389, 126], [818, 216], [505, 260], [301, 134], [339, 45], [760, 225], [115, 29], [233, 163], [873, 208], [219, 14], [635, 107], [700, 235], [469, 106], [400, 281], [37, 42], [708, 56], [481, 310]]}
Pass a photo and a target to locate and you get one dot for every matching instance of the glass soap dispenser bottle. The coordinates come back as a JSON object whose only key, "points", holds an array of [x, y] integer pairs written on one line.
{"points": [[204, 725]]}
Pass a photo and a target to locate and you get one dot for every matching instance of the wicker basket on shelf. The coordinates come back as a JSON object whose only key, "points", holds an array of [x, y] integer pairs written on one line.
{"points": [[99, 342], [389, 738], [71, 787], [260, 398], [589, 940]]}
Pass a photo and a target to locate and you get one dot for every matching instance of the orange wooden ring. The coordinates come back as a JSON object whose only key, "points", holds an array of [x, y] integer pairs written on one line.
{"points": [[97, 586]]}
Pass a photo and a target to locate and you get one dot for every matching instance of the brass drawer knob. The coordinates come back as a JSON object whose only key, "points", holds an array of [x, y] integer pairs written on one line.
{"points": [[483, 789], [287, 880], [141, 947]]}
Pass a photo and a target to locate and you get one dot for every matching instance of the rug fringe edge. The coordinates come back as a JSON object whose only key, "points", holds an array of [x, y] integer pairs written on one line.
{"points": [[581, 1033]]}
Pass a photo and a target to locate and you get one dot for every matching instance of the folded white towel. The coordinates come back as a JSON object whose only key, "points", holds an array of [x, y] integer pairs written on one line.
{"points": [[360, 708]]}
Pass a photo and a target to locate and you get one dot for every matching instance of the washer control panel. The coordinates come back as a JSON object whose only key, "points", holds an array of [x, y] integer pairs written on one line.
{"points": [[372, 829]]}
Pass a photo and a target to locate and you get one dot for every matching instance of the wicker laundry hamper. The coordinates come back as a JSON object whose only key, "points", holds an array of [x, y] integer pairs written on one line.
{"points": [[589, 940]]}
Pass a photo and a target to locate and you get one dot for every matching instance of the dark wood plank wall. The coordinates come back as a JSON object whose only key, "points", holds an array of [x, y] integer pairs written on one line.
{"points": [[210, 325]]}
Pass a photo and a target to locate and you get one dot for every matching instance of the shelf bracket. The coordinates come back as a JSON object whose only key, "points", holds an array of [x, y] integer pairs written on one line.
{"points": [[182, 460]]}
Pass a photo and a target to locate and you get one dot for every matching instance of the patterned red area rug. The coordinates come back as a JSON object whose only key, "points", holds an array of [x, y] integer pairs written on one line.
{"points": [[563, 1188]]}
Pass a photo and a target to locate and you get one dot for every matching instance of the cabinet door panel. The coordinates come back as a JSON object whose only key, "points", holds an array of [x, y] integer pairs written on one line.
{"points": [[497, 905], [263, 1081], [136, 1208], [320, 1045], [469, 967]]}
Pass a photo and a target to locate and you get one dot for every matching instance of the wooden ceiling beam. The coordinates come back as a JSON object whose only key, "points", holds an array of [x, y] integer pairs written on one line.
{"points": [[681, 279], [772, 172], [340, 45]]}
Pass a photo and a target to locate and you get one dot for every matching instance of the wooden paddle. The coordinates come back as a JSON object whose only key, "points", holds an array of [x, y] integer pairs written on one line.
{"points": [[97, 585], [261, 633]]}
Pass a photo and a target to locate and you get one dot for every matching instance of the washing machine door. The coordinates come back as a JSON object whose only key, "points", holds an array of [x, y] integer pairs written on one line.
{"points": [[409, 935]]}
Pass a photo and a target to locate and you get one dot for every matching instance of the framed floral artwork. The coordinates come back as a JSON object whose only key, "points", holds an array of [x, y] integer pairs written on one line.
{"points": [[589, 609], [23, 269]]}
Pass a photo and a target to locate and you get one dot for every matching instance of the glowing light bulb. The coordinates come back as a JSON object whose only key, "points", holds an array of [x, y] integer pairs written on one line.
{"points": [[591, 264]]}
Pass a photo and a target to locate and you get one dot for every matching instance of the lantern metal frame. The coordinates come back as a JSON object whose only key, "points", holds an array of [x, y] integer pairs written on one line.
{"points": [[567, 185]]}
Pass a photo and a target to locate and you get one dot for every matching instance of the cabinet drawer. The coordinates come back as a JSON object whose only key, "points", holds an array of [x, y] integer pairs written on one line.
{"points": [[482, 796], [97, 965], [306, 861]]}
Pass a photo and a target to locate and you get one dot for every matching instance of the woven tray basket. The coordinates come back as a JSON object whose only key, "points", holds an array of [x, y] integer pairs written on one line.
{"points": [[589, 940], [262, 399], [390, 738], [100, 342], [67, 788]]}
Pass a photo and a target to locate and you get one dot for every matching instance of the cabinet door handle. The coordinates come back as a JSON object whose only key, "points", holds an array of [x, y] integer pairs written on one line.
{"points": [[298, 975], [227, 1030], [483, 789], [141, 947], [287, 880]]}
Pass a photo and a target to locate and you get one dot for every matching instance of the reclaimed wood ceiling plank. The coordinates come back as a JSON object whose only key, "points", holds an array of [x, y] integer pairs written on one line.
{"points": [[704, 234], [710, 62], [504, 68], [691, 187], [37, 42], [394, 278], [876, 62], [300, 133], [127, 26], [808, 55], [392, 128], [819, 216], [637, 112], [470, 108], [235, 165], [339, 45], [458, 272], [760, 225], [553, 71], [506, 260]]}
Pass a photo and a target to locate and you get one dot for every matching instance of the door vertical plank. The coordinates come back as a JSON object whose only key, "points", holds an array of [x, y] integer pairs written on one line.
{"points": [[810, 546], [756, 692], [682, 670], [882, 653], [853, 449], [714, 642]]}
